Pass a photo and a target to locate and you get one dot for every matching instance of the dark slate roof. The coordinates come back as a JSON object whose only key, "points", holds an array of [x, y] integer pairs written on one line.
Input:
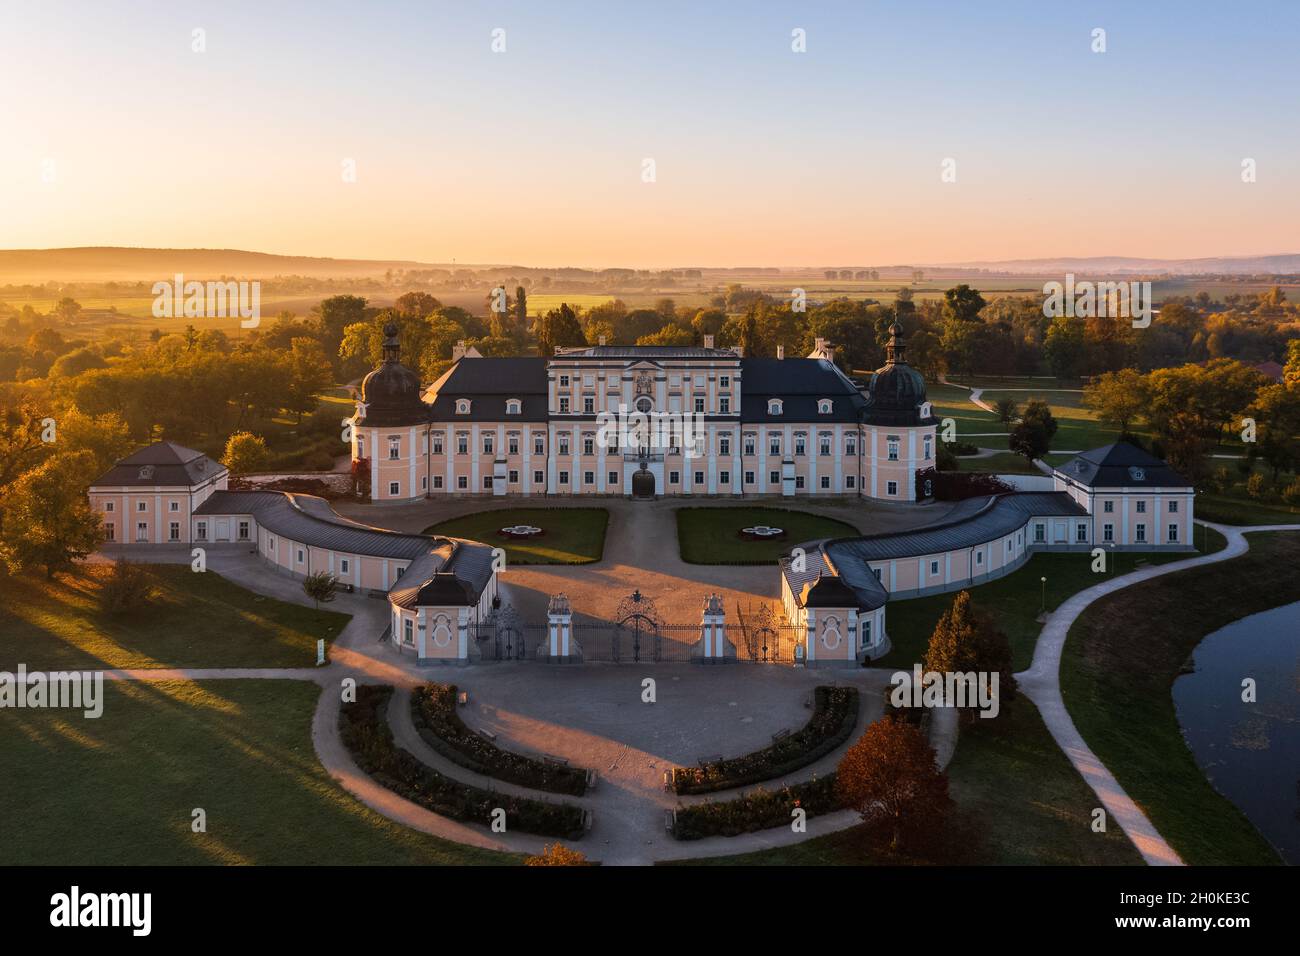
{"points": [[799, 383], [454, 573], [310, 520], [863, 590], [972, 522], [162, 464], [489, 383], [1121, 465], [649, 353]]}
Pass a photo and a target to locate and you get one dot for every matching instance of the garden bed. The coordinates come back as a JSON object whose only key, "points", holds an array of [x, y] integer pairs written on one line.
{"points": [[760, 810], [433, 711], [365, 732], [835, 714]]}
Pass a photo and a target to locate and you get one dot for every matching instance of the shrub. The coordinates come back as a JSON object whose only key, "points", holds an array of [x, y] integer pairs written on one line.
{"points": [[1255, 485], [759, 810], [128, 588], [365, 732], [433, 711], [835, 714], [956, 485], [1291, 493], [557, 854]]}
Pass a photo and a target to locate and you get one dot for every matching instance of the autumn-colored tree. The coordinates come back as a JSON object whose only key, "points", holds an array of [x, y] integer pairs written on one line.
{"points": [[967, 641], [48, 520], [245, 452], [1118, 398], [321, 587], [889, 777], [1006, 409], [556, 854]]}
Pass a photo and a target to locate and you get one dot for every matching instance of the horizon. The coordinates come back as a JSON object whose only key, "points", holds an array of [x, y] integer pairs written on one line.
{"points": [[762, 155]]}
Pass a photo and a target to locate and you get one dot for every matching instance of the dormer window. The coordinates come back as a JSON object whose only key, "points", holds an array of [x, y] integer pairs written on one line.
{"points": [[774, 406], [824, 406], [513, 406], [925, 409], [1137, 474], [146, 472], [462, 406]]}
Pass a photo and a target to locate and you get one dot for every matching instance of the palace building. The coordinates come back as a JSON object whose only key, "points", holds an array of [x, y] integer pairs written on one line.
{"points": [[740, 427]]}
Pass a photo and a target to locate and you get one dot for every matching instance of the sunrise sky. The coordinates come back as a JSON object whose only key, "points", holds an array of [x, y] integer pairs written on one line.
{"points": [[763, 156]]}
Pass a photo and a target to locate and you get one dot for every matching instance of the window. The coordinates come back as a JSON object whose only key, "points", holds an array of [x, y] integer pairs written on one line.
{"points": [[613, 479], [539, 445], [724, 477], [588, 405], [401, 569], [408, 631], [774, 477], [1108, 533], [564, 381], [109, 533], [934, 568], [437, 444], [749, 477], [394, 448], [564, 477], [724, 445], [850, 481], [979, 558], [1173, 507], [1081, 534], [851, 446], [487, 482], [394, 488], [1008, 545], [1141, 507], [538, 478], [891, 487], [588, 445], [462, 444], [564, 404], [174, 506], [800, 444], [699, 405], [201, 531], [243, 531], [1140, 533], [774, 445], [1173, 533], [142, 531], [108, 506], [866, 633], [798, 482], [300, 556], [343, 565], [1040, 533], [826, 482], [824, 445], [588, 477], [876, 572], [141, 506], [462, 483], [724, 405], [514, 477], [564, 444], [774, 406], [824, 406], [487, 444], [892, 446], [749, 444], [437, 481], [724, 381], [1108, 507], [699, 477], [462, 406], [174, 531], [513, 445], [674, 477], [513, 406], [928, 445]]}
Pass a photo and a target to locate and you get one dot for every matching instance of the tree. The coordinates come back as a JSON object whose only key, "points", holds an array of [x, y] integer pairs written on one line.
{"points": [[309, 374], [1118, 398], [1037, 410], [21, 441], [1276, 410], [245, 453], [1032, 435], [48, 519], [320, 586], [890, 778], [966, 641], [558, 328], [416, 305], [1006, 409], [129, 588], [556, 854], [962, 303], [669, 335], [105, 436], [1065, 346]]}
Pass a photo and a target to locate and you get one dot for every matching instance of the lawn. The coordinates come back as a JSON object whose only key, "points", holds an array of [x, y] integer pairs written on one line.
{"points": [[121, 789], [1014, 601], [712, 535], [573, 535], [1007, 463], [1018, 800], [1240, 510], [1078, 428], [1120, 661], [194, 620]]}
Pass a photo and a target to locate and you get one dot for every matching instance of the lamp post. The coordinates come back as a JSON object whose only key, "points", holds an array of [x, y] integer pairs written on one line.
{"points": [[1043, 608]]}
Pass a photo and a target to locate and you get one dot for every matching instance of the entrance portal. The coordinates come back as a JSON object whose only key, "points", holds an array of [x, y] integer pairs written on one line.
{"points": [[643, 483]]}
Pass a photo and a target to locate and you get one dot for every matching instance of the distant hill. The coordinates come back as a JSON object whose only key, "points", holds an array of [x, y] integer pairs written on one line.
{"points": [[113, 263], [1115, 265]]}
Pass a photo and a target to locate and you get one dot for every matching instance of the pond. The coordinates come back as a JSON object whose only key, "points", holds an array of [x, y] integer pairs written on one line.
{"points": [[1250, 752]]}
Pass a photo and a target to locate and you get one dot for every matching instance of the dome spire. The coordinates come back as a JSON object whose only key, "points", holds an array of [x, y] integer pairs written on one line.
{"points": [[392, 347], [897, 346]]}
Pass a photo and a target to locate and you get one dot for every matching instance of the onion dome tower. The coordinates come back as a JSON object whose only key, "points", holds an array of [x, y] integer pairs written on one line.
{"points": [[390, 395]]}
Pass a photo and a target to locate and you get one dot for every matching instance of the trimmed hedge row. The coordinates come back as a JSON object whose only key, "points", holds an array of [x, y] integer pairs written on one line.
{"points": [[835, 714], [760, 810], [433, 710], [365, 732]]}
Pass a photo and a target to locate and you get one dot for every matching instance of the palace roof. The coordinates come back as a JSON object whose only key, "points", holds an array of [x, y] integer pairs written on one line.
{"points": [[163, 464], [1121, 465]]}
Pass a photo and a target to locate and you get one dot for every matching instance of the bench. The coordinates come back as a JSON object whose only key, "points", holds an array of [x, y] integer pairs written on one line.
{"points": [[670, 819], [780, 735]]}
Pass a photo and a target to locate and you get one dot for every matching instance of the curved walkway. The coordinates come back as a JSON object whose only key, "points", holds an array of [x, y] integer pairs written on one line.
{"points": [[1042, 684]]}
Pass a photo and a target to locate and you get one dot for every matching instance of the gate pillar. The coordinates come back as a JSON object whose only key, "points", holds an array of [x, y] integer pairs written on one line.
{"points": [[559, 626], [714, 645]]}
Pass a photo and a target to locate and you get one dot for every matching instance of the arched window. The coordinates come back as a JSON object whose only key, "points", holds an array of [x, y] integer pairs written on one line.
{"points": [[513, 406], [824, 406], [462, 406], [774, 406]]}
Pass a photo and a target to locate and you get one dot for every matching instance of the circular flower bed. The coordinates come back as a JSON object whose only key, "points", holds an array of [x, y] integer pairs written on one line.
{"points": [[521, 531], [762, 532]]}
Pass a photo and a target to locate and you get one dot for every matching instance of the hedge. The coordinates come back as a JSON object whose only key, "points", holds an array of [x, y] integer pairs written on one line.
{"points": [[835, 714], [365, 732], [433, 710], [760, 810]]}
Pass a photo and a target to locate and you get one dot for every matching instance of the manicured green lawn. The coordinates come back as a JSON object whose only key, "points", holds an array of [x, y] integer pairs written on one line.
{"points": [[195, 620], [1121, 659], [1014, 602], [1018, 800], [573, 535], [1240, 510], [121, 789], [1007, 463], [712, 535]]}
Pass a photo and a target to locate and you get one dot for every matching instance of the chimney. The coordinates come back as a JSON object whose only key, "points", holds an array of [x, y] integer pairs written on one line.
{"points": [[458, 351], [708, 341], [780, 351]]}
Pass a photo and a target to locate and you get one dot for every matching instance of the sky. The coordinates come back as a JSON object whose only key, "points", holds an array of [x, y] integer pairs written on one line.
{"points": [[116, 131]]}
